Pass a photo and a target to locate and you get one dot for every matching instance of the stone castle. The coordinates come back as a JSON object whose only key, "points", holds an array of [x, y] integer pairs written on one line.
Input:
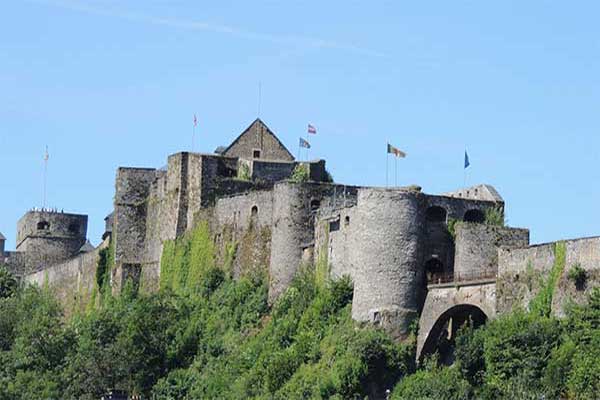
{"points": [[435, 259]]}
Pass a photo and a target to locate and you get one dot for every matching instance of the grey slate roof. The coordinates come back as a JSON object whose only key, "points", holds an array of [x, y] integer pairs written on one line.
{"points": [[87, 247]]}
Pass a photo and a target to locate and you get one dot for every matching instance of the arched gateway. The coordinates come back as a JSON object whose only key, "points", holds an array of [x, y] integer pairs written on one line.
{"points": [[449, 306]]}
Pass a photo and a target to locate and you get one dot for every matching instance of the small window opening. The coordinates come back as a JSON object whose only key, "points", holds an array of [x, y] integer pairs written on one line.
{"points": [[43, 226], [73, 228], [435, 214], [347, 220], [256, 154], [334, 225], [254, 211], [474, 216], [314, 205]]}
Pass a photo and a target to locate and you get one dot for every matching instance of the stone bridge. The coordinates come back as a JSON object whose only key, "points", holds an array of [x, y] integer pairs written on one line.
{"points": [[447, 306]]}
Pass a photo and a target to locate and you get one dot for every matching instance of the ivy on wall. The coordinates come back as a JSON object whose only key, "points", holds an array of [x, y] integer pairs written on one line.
{"points": [[541, 304], [187, 259]]}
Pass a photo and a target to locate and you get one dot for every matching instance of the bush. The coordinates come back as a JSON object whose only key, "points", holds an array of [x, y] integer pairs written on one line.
{"points": [[8, 283], [494, 216], [577, 275], [437, 383], [244, 172], [300, 174]]}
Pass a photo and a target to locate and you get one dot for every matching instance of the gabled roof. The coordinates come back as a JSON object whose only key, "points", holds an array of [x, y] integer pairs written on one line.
{"points": [[266, 128], [87, 247]]}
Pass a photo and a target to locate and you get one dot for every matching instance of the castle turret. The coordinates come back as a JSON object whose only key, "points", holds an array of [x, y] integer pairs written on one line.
{"points": [[49, 237], [386, 250]]}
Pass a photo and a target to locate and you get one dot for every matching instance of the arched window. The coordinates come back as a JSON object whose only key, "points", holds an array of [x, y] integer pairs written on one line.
{"points": [[254, 211], [347, 220], [43, 226], [474, 216], [435, 214], [314, 204]]}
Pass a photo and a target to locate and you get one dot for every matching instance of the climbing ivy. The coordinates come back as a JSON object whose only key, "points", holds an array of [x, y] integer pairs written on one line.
{"points": [[542, 302], [187, 259]]}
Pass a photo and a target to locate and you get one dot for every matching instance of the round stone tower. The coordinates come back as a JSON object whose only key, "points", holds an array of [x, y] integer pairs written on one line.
{"points": [[386, 251], [49, 237]]}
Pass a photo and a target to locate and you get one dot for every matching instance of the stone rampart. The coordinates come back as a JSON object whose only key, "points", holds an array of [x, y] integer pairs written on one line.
{"points": [[522, 273], [477, 248], [73, 281]]}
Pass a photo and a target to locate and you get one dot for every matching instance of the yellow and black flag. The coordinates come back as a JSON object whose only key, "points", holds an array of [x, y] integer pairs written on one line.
{"points": [[395, 151]]}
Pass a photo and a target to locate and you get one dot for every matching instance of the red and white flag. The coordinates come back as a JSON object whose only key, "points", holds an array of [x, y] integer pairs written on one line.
{"points": [[312, 129], [195, 120]]}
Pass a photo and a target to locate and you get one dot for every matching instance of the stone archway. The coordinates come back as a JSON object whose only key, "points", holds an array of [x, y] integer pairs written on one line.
{"points": [[442, 336], [448, 306]]}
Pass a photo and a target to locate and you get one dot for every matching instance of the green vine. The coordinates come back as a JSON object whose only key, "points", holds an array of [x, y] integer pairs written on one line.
{"points": [[186, 260], [542, 302]]}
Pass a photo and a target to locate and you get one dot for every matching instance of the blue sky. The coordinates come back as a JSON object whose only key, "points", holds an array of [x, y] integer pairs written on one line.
{"points": [[107, 83]]}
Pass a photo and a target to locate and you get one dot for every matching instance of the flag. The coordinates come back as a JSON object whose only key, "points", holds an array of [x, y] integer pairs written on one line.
{"points": [[195, 120], [467, 163], [304, 143], [395, 151], [46, 155], [312, 129]]}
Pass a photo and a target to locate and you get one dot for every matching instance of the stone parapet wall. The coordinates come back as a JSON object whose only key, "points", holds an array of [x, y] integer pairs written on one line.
{"points": [[73, 281], [522, 273], [477, 248]]}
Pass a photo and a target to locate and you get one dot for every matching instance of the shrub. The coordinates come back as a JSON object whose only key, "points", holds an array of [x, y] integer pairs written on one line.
{"points": [[577, 275], [494, 216], [300, 174], [244, 172], [8, 283], [436, 383]]}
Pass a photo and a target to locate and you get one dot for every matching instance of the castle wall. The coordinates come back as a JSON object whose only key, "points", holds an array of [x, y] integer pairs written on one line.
{"points": [[523, 272], [245, 221], [129, 231], [386, 250], [477, 248], [73, 282], [272, 171], [295, 208]]}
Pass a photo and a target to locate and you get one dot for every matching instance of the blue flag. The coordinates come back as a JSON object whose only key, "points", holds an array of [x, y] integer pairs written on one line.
{"points": [[304, 143], [467, 163]]}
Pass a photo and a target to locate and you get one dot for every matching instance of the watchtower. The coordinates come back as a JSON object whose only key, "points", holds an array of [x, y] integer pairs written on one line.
{"points": [[49, 237]]}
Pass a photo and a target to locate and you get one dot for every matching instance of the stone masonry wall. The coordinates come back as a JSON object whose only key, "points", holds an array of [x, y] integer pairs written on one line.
{"points": [[258, 137], [386, 248], [477, 248], [129, 231], [73, 281], [60, 237], [245, 222], [522, 272]]}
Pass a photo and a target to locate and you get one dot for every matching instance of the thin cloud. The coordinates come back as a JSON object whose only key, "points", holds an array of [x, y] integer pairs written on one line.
{"points": [[214, 28]]}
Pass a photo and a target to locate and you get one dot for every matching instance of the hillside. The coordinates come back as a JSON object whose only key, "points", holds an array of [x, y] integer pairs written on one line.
{"points": [[205, 335]]}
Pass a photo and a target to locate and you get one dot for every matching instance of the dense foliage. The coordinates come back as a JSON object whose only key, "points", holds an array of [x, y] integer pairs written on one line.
{"points": [[204, 335], [518, 356]]}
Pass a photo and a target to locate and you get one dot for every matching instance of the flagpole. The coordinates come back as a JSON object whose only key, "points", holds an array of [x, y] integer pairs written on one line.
{"points": [[396, 171], [387, 158], [45, 176]]}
